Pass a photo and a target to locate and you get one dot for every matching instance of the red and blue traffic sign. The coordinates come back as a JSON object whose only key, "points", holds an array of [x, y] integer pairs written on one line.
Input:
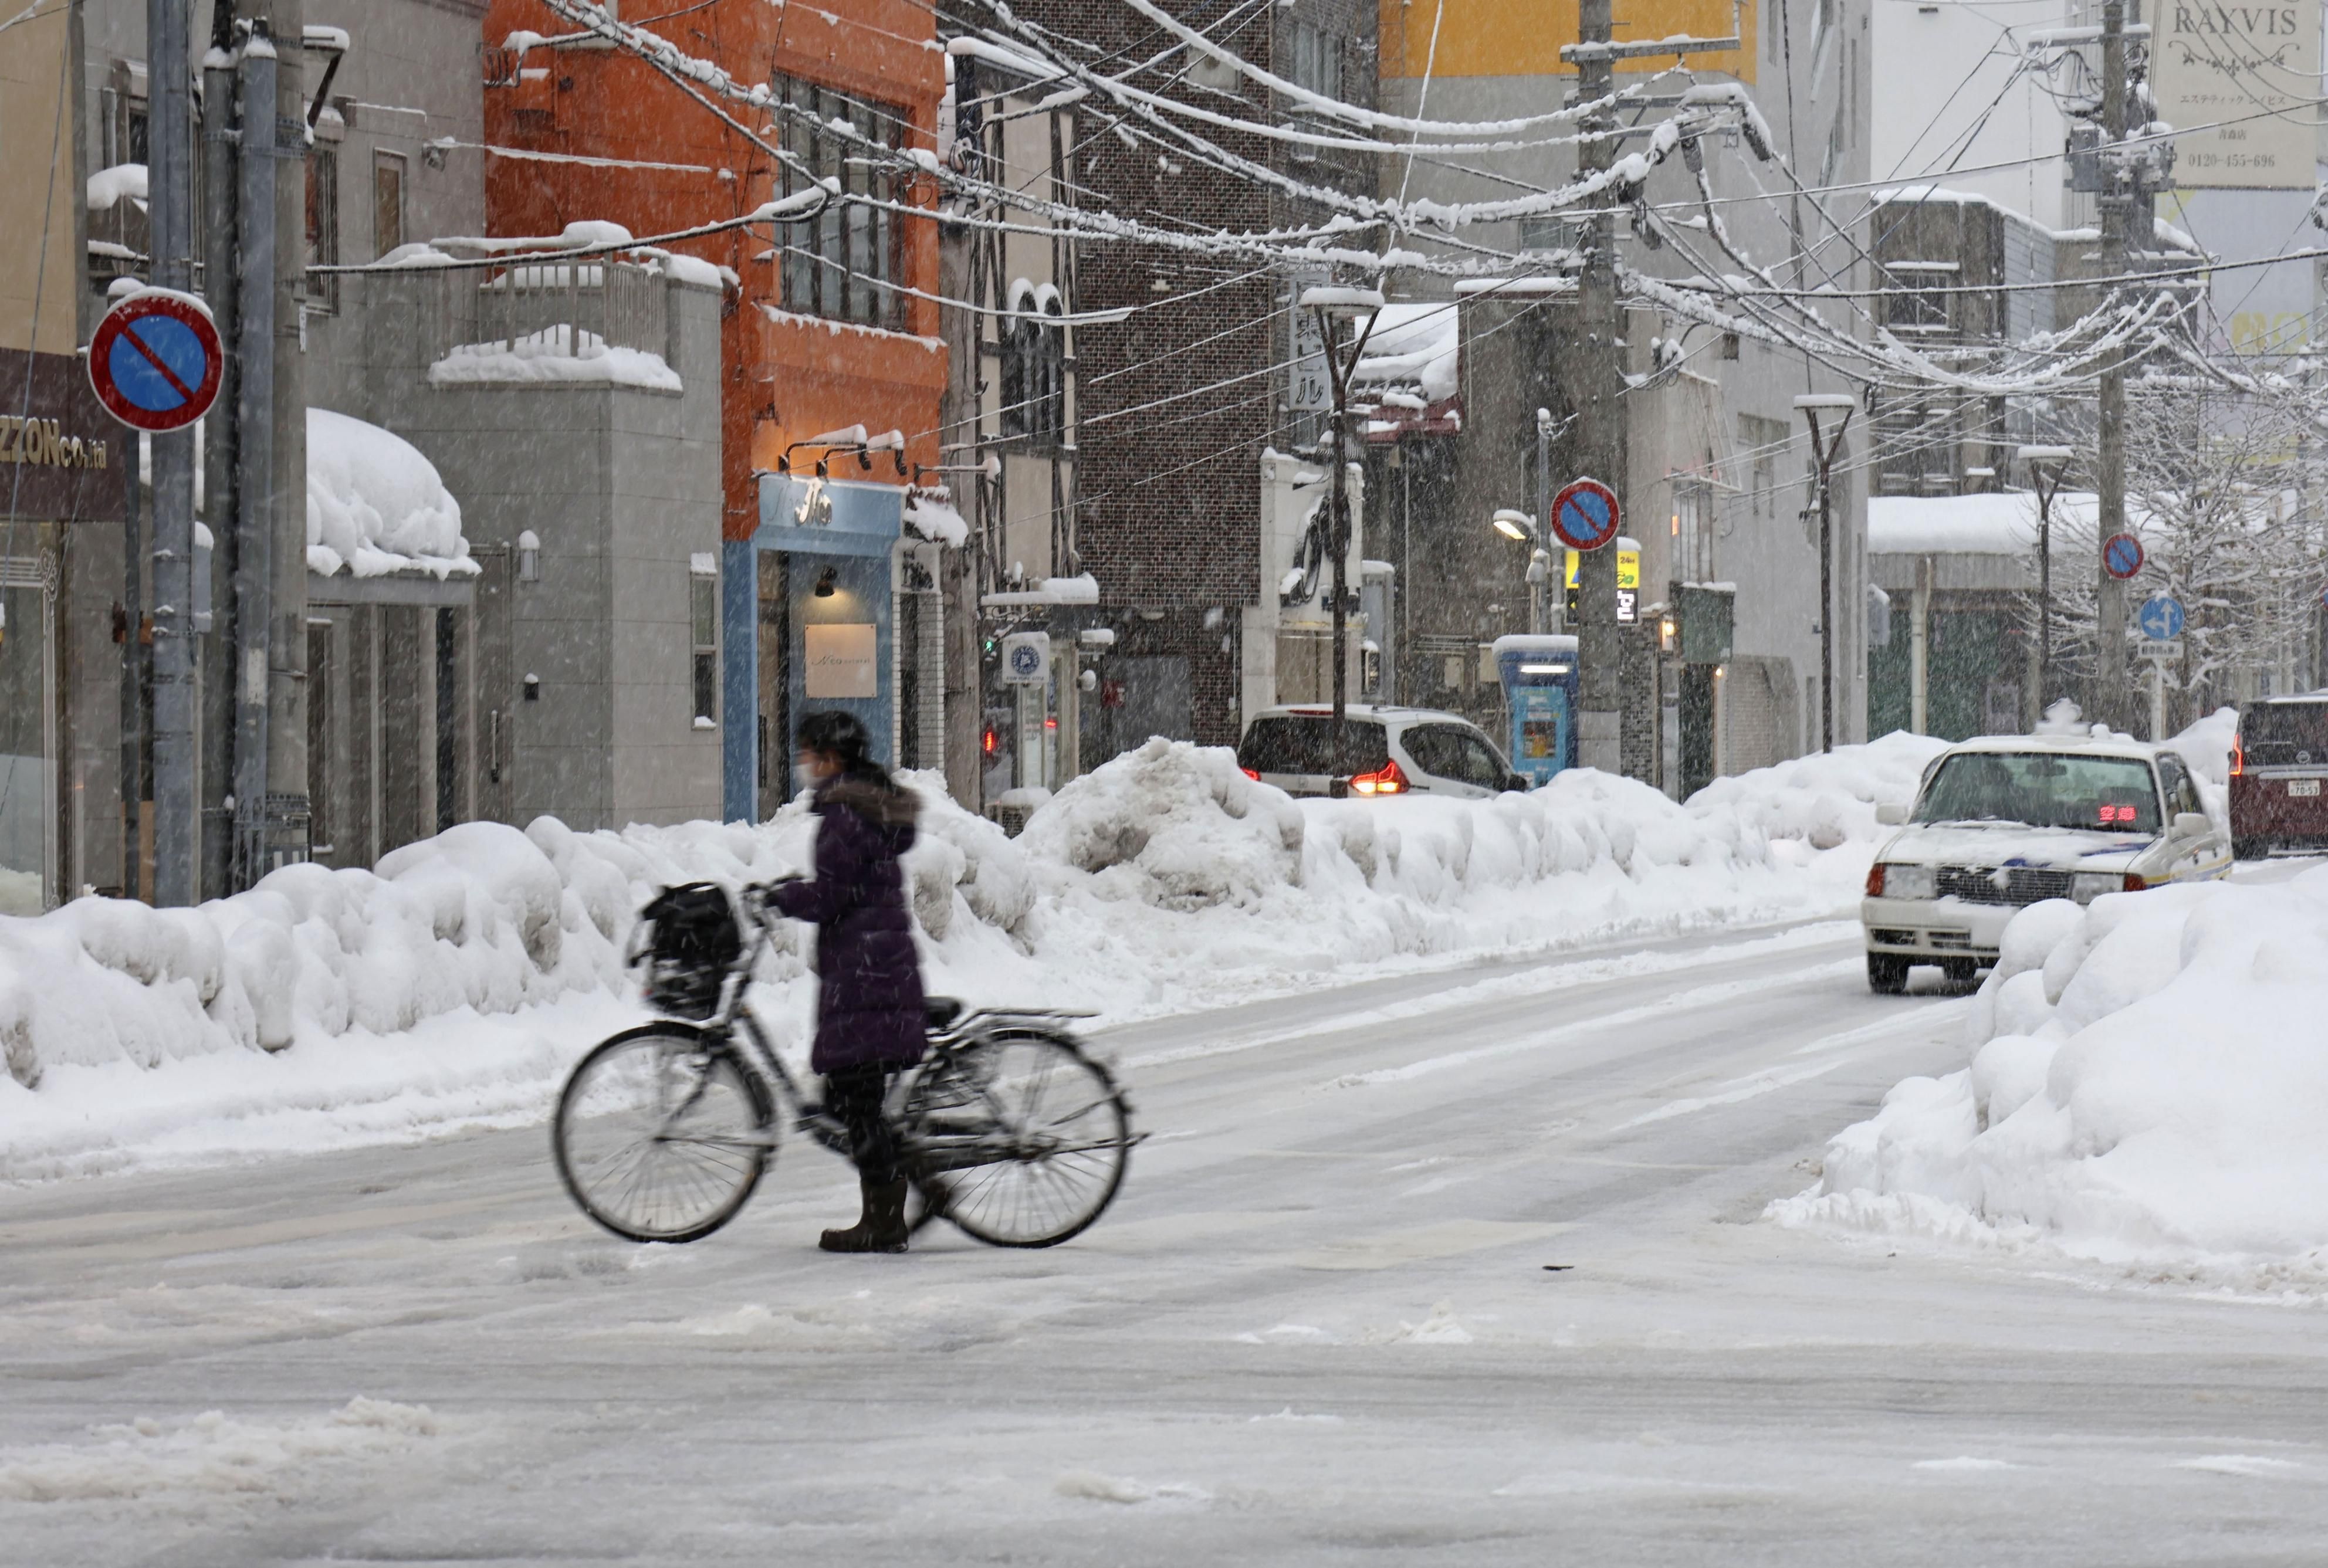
{"points": [[2121, 556], [155, 361], [1584, 514]]}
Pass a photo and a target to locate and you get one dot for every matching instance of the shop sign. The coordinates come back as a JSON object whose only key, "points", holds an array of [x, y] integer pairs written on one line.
{"points": [[61, 458], [840, 660]]}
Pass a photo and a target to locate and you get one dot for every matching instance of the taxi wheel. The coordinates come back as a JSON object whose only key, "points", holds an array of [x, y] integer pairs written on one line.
{"points": [[1887, 973]]}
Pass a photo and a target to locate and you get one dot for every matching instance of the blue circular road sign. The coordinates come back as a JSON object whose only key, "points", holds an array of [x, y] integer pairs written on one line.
{"points": [[1584, 515], [2162, 618], [2121, 555], [155, 360]]}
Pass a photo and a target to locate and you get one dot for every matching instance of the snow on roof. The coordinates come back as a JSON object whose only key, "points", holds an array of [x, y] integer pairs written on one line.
{"points": [[1414, 344], [546, 356], [107, 187], [375, 505], [1076, 591], [1998, 523]]}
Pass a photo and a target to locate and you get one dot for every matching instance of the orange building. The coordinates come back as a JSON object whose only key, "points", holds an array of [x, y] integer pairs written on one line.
{"points": [[829, 324]]}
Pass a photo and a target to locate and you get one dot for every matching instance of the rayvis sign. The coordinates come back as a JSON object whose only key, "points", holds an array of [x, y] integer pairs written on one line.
{"points": [[2240, 82]]}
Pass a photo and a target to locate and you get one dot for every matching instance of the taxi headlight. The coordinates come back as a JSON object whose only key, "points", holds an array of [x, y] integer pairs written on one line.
{"points": [[2087, 886], [1910, 882]]}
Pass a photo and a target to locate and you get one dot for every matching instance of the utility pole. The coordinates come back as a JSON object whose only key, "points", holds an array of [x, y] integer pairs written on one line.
{"points": [[1824, 450], [286, 807], [2121, 189], [1554, 588], [170, 204], [1360, 307], [1600, 430], [220, 287], [255, 478], [2046, 466]]}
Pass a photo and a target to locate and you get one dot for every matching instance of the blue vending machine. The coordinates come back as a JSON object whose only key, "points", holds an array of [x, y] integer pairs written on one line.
{"points": [[1540, 691]]}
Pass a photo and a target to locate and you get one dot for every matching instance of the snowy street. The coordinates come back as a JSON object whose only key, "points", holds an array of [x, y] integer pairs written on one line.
{"points": [[1319, 1324]]}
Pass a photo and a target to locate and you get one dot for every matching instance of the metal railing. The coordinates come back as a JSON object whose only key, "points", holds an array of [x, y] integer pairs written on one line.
{"points": [[567, 308]]}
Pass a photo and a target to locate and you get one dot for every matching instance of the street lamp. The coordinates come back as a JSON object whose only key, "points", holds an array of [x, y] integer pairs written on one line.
{"points": [[1358, 308], [1837, 407], [1520, 527], [2046, 465]]}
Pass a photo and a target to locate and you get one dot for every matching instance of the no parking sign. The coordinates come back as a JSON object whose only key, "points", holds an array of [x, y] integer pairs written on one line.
{"points": [[155, 361]]}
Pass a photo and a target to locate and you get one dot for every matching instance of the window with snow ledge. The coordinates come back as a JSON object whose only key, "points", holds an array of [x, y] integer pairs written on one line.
{"points": [[703, 605], [1035, 366], [844, 264]]}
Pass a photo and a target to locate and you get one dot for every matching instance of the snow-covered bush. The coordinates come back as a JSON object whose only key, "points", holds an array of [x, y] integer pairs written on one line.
{"points": [[2148, 1076]]}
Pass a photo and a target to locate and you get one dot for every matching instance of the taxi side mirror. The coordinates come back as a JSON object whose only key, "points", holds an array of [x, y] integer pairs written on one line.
{"points": [[1517, 781], [2191, 825], [1891, 814]]}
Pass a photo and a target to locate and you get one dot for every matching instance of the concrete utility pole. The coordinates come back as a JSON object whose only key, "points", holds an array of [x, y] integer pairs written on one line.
{"points": [[254, 475], [1837, 407], [220, 283], [1599, 427], [2121, 189], [170, 204], [286, 673]]}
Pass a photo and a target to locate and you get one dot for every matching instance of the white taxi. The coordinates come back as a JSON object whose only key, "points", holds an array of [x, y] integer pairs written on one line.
{"points": [[2004, 821]]}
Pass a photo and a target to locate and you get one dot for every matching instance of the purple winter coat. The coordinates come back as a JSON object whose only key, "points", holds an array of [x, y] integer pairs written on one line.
{"points": [[870, 979]]}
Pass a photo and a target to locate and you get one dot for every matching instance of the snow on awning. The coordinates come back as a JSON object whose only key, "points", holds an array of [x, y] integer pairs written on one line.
{"points": [[1413, 349], [107, 187], [1076, 590], [376, 506]]}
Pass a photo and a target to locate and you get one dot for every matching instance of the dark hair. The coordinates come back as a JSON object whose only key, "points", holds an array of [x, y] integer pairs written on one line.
{"points": [[843, 737]]}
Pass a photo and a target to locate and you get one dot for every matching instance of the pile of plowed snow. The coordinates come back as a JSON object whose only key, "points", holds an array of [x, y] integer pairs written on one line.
{"points": [[2148, 1082], [456, 980]]}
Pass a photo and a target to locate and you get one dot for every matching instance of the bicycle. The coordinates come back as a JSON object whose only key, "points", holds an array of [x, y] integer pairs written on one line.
{"points": [[1009, 1130]]}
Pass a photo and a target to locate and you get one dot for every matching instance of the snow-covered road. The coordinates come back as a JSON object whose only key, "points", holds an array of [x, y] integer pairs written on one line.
{"points": [[1319, 1325]]}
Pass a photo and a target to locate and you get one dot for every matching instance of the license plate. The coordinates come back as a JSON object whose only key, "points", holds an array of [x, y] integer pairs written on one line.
{"points": [[2304, 786]]}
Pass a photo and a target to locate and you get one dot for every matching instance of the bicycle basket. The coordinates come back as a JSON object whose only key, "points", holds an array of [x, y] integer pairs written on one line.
{"points": [[689, 939]]}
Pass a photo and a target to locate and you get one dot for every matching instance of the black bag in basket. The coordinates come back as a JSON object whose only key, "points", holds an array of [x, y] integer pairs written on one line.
{"points": [[689, 939]]}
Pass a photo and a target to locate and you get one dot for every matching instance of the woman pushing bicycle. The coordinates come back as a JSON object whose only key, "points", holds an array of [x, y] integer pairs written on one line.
{"points": [[870, 1016]]}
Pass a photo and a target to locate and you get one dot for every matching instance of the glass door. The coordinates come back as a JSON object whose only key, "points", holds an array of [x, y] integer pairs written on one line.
{"points": [[27, 748]]}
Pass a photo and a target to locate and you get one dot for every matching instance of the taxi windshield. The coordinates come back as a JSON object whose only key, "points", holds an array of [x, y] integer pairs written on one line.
{"points": [[2041, 789]]}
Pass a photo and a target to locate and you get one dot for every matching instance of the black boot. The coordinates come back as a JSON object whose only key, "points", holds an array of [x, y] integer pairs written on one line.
{"points": [[882, 1227]]}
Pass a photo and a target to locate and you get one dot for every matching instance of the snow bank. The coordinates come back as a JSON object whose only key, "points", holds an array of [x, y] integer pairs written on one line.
{"points": [[457, 981], [550, 355], [375, 505], [2147, 1081]]}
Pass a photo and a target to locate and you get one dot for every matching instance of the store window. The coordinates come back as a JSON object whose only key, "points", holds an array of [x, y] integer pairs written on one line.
{"points": [[25, 716]]}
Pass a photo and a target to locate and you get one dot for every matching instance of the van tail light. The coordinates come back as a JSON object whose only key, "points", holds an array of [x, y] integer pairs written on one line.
{"points": [[1875, 880], [2135, 882], [2238, 756], [1385, 780], [1252, 772]]}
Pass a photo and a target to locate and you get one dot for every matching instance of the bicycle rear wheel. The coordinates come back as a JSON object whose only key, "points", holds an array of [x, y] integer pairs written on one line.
{"points": [[662, 1134], [1022, 1137]]}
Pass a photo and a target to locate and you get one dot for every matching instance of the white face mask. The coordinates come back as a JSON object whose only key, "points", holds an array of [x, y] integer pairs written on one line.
{"points": [[805, 779]]}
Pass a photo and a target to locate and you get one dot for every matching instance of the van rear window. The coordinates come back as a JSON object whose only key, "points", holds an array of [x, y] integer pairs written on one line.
{"points": [[1304, 744], [2277, 734]]}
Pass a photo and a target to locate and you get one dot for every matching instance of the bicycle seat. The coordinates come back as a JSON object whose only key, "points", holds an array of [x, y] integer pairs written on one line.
{"points": [[940, 1012]]}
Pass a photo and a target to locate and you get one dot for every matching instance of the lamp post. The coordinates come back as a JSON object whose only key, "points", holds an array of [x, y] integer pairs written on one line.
{"points": [[2045, 466], [1556, 612], [1520, 527], [1358, 308], [1838, 406]]}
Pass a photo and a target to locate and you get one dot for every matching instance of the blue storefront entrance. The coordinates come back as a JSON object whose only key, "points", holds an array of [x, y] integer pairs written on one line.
{"points": [[832, 605]]}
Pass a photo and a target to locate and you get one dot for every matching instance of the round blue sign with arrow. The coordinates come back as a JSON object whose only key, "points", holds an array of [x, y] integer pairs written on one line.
{"points": [[155, 361], [2161, 618], [2121, 556], [1584, 514]]}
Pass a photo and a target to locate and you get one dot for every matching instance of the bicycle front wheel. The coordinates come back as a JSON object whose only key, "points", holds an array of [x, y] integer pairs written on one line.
{"points": [[662, 1134], [1021, 1140]]}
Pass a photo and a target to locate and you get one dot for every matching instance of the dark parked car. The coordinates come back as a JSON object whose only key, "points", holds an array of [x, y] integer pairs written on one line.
{"points": [[2279, 765]]}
